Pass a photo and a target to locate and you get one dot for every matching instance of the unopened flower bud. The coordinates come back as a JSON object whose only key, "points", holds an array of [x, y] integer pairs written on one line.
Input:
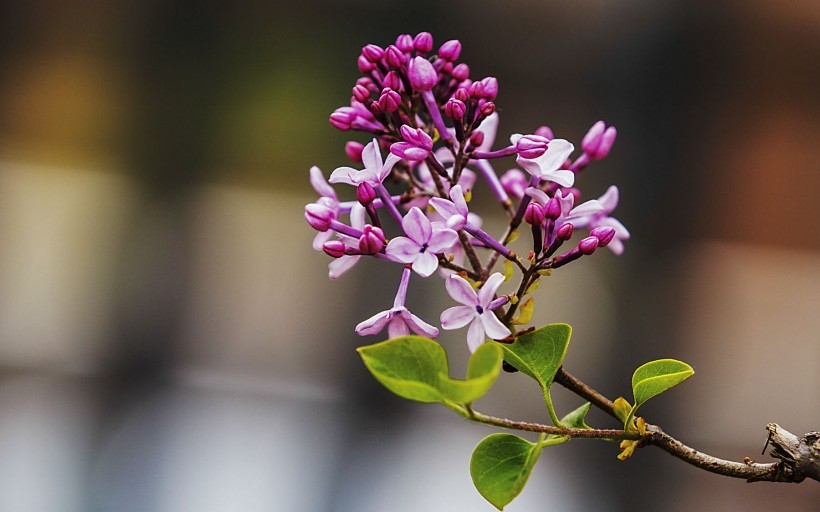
{"points": [[373, 53], [553, 209], [461, 72], [455, 109], [477, 139], [462, 95], [545, 131], [564, 231], [319, 216], [477, 90], [334, 248], [353, 150], [598, 140], [376, 109], [487, 109], [343, 117], [534, 214], [490, 91], [365, 193], [372, 240], [416, 146], [365, 66], [450, 50], [422, 75], [604, 234], [392, 80], [389, 100], [588, 245], [394, 57], [423, 42], [515, 182], [361, 93], [404, 42], [531, 146]]}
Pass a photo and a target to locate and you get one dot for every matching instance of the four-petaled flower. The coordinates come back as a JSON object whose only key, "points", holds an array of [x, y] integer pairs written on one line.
{"points": [[601, 218], [455, 212], [476, 310], [548, 165], [374, 172], [422, 243]]}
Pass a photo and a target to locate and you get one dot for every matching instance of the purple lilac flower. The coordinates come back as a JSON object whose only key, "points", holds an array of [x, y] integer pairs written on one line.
{"points": [[601, 218], [548, 166], [474, 311], [374, 172], [455, 211], [339, 266], [398, 319], [422, 243]]}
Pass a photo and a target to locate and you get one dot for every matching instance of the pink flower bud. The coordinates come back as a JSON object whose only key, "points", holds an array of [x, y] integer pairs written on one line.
{"points": [[361, 93], [477, 90], [564, 232], [598, 140], [365, 66], [604, 234], [392, 80], [353, 150], [404, 42], [588, 245], [545, 131], [462, 95], [490, 84], [422, 75], [455, 109], [514, 182], [450, 50], [334, 248], [373, 53], [531, 146], [365, 193], [461, 72], [372, 240], [319, 216], [389, 100], [394, 57], [476, 139], [343, 117], [487, 109], [423, 42], [553, 208], [534, 214]]}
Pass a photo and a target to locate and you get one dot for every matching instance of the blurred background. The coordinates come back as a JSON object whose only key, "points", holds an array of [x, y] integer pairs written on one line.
{"points": [[169, 341]]}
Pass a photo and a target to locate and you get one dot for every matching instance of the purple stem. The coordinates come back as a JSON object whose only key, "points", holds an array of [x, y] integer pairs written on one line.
{"points": [[487, 240], [388, 203], [401, 295], [483, 155], [341, 227], [435, 114]]}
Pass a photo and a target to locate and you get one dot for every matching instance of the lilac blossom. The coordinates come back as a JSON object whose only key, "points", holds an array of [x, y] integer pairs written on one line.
{"points": [[374, 172], [327, 198], [476, 310], [422, 243], [601, 218], [398, 319], [340, 265], [547, 167], [455, 211]]}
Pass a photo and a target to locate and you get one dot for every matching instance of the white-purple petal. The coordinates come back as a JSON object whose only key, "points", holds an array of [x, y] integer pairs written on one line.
{"points": [[493, 327], [425, 263], [374, 324], [320, 185], [416, 226], [371, 156], [487, 290], [339, 266], [418, 325], [397, 327], [402, 249], [345, 175], [457, 317], [460, 291], [475, 335], [442, 240]]}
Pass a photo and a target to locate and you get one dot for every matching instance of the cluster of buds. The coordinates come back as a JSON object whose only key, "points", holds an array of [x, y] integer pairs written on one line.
{"points": [[437, 127]]}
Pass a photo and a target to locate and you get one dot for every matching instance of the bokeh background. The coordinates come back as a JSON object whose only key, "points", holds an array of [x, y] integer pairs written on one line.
{"points": [[169, 341]]}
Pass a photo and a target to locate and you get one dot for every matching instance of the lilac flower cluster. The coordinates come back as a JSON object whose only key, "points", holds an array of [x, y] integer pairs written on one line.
{"points": [[438, 129]]}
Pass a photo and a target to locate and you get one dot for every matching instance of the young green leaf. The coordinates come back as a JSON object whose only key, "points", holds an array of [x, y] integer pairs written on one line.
{"points": [[655, 377], [575, 419], [539, 354], [409, 366], [501, 465], [482, 371]]}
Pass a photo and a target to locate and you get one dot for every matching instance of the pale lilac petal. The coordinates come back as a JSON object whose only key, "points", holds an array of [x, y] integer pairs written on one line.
{"points": [[425, 263], [402, 249], [442, 240], [418, 325], [467, 179], [444, 207], [487, 290], [488, 127], [374, 324], [320, 185], [620, 229], [397, 327], [457, 317], [558, 150], [610, 199], [416, 226], [493, 326], [563, 178], [388, 166], [475, 335], [616, 246], [461, 291], [346, 175], [372, 157], [357, 216], [540, 196], [339, 266], [320, 239]]}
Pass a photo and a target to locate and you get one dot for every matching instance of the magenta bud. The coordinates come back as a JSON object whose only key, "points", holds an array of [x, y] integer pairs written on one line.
{"points": [[353, 150], [365, 193], [422, 75], [343, 117], [598, 140], [461, 72], [394, 57], [534, 214], [531, 146], [487, 109], [455, 109], [423, 42], [545, 131], [376, 109], [365, 66], [373, 53], [392, 80], [462, 95], [446, 68], [588, 245], [553, 208], [404, 42], [564, 231], [372, 240], [416, 136], [334, 248], [490, 87], [477, 90], [319, 216], [361, 93], [607, 141], [604, 234], [476, 139], [450, 50], [389, 100]]}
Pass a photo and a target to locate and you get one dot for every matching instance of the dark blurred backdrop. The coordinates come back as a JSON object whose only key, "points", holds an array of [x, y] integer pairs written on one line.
{"points": [[169, 342]]}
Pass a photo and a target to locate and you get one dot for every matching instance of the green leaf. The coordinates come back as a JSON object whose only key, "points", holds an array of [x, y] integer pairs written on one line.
{"points": [[409, 366], [501, 465], [482, 371], [540, 354], [575, 419], [415, 368], [655, 377]]}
